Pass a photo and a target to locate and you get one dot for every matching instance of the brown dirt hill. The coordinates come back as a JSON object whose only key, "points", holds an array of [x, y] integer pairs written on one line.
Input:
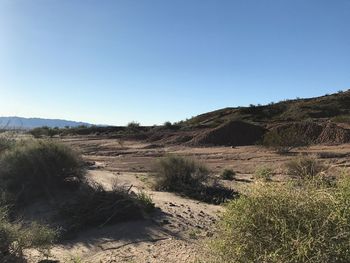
{"points": [[233, 133], [240, 133], [333, 133], [324, 133], [330, 107]]}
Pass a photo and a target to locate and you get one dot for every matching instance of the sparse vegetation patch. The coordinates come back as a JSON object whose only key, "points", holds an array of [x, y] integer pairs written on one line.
{"points": [[227, 174], [37, 168], [284, 140], [188, 177], [16, 236], [41, 170], [305, 167], [284, 223], [263, 173], [178, 174]]}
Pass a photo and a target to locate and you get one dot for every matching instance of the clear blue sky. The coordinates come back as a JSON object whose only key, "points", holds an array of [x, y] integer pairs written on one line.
{"points": [[114, 61]]}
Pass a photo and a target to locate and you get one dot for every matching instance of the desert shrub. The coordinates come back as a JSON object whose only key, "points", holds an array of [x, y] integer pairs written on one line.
{"points": [[170, 126], [37, 132], [132, 128], [263, 173], [145, 201], [6, 143], [15, 237], [285, 140], [305, 167], [188, 177], [283, 223], [133, 125], [178, 174], [227, 174], [213, 194], [37, 168], [44, 131], [92, 205]]}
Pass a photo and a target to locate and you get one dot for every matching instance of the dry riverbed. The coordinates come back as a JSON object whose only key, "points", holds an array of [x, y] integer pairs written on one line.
{"points": [[179, 227]]}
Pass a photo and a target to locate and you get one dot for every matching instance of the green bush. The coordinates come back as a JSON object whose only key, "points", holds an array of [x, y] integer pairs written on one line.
{"points": [[37, 168], [171, 126], [38, 132], [228, 174], [263, 174], [145, 201], [178, 174], [305, 167], [15, 237], [284, 223], [189, 178], [285, 140], [44, 131]]}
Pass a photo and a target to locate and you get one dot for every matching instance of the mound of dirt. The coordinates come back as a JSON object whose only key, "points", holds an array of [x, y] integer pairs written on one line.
{"points": [[333, 133], [325, 133], [233, 133]]}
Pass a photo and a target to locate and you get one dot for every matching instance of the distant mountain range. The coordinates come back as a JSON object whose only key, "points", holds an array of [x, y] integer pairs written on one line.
{"points": [[30, 123]]}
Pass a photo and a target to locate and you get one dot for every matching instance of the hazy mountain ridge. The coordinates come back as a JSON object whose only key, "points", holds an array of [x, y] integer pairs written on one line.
{"points": [[30, 123]]}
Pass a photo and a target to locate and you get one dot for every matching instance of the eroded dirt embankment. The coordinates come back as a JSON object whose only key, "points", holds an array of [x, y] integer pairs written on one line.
{"points": [[240, 133]]}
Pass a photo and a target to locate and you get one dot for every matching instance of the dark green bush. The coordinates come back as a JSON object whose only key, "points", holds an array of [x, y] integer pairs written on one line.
{"points": [[170, 126], [178, 174], [189, 178], [38, 168], [228, 174], [213, 194], [285, 140], [284, 223], [133, 126], [44, 132]]}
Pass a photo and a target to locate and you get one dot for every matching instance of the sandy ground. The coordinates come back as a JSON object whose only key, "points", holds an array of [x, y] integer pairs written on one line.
{"points": [[179, 228], [174, 233]]}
